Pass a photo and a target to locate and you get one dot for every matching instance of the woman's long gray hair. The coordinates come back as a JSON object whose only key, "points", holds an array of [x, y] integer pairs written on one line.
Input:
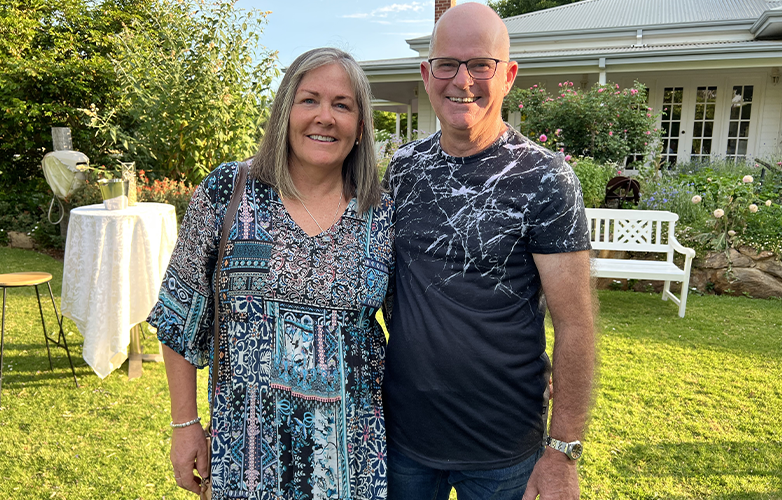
{"points": [[359, 170]]}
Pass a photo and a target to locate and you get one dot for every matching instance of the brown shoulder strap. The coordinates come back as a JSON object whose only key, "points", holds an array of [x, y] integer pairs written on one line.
{"points": [[228, 220]]}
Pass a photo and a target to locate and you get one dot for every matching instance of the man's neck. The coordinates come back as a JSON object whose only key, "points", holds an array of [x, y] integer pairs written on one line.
{"points": [[461, 143]]}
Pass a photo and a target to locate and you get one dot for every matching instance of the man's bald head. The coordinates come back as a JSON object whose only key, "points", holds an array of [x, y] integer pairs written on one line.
{"points": [[473, 18]]}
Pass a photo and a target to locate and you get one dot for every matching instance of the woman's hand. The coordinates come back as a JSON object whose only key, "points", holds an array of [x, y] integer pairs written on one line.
{"points": [[188, 452]]}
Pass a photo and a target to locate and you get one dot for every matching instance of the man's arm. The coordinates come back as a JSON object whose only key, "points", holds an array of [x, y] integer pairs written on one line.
{"points": [[566, 284]]}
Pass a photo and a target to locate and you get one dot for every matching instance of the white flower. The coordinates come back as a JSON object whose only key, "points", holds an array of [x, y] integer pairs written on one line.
{"points": [[768, 203], [696, 199], [731, 233], [753, 208], [719, 213], [747, 179]]}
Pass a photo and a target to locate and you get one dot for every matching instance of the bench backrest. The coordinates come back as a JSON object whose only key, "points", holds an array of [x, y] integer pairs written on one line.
{"points": [[634, 230]]}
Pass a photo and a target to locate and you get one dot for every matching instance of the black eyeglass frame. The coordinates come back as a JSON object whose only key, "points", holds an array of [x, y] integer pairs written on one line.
{"points": [[496, 61]]}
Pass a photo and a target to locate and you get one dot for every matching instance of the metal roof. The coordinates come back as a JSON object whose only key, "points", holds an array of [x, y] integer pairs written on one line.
{"points": [[605, 14]]}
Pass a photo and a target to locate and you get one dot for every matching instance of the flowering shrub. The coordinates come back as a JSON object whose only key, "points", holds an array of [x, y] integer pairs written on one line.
{"points": [[173, 192], [390, 144], [674, 195], [605, 122], [721, 204]]}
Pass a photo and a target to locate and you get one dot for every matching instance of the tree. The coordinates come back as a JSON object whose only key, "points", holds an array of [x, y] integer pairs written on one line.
{"points": [[196, 94], [54, 59], [385, 124], [510, 8]]}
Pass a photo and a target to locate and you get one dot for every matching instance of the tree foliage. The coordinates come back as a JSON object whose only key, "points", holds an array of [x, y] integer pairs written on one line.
{"points": [[54, 59], [605, 122], [176, 85], [195, 95], [510, 8]]}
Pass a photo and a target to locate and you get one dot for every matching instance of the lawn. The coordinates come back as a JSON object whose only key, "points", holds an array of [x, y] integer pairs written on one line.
{"points": [[685, 408]]}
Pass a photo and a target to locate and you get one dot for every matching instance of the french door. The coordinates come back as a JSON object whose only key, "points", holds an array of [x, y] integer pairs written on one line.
{"points": [[703, 120]]}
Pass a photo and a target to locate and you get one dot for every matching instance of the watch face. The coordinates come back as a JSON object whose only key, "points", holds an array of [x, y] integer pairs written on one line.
{"points": [[576, 450]]}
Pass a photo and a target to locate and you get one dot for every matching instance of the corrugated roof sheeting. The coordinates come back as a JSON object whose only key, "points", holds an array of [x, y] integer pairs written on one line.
{"points": [[672, 48], [599, 14]]}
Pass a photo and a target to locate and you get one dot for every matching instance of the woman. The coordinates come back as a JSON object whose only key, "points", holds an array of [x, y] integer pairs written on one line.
{"points": [[297, 412]]}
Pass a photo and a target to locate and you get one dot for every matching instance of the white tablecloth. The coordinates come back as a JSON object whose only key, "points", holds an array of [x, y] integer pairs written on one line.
{"points": [[114, 264]]}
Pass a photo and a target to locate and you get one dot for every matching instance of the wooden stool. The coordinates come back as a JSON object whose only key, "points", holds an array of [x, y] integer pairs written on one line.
{"points": [[14, 280]]}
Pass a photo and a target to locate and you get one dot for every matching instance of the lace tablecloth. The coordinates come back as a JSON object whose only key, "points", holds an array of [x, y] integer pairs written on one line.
{"points": [[114, 264]]}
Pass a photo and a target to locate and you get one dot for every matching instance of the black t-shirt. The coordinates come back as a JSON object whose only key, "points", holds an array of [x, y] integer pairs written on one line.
{"points": [[466, 368]]}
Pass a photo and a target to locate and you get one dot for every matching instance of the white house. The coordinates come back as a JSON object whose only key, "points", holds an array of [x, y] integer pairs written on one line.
{"points": [[713, 65]]}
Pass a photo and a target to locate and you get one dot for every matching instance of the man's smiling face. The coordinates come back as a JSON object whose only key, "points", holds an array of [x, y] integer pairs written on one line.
{"points": [[462, 103]]}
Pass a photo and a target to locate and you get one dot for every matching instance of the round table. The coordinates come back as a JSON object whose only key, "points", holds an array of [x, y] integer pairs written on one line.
{"points": [[114, 265]]}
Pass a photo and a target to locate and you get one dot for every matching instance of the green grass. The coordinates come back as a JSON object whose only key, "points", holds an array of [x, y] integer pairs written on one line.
{"points": [[685, 408]]}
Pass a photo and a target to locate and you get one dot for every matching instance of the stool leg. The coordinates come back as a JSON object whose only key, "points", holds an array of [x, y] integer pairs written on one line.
{"points": [[2, 346], [45, 334], [62, 334]]}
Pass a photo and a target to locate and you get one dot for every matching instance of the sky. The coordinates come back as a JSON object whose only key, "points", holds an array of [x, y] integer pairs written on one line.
{"points": [[367, 29]]}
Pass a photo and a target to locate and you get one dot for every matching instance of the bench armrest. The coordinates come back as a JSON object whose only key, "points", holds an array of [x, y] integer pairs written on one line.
{"points": [[689, 252]]}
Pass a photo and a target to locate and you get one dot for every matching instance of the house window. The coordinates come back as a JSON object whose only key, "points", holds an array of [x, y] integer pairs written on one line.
{"points": [[671, 123], [703, 123], [738, 122]]}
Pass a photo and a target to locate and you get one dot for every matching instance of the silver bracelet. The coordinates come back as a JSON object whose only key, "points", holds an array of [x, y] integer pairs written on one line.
{"points": [[185, 424]]}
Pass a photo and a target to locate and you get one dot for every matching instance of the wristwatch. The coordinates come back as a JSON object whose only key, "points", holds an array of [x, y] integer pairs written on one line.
{"points": [[573, 450]]}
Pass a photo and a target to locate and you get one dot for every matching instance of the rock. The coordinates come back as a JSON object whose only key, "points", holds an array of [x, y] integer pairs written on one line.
{"points": [[770, 266], [20, 240], [754, 254], [756, 283]]}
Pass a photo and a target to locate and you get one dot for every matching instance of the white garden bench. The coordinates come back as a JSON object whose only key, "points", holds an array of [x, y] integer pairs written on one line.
{"points": [[640, 231]]}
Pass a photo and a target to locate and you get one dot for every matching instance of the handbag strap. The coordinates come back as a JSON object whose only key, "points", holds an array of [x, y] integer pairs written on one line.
{"points": [[228, 220]]}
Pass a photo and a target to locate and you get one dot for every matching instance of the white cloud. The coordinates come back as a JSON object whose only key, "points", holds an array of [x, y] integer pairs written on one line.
{"points": [[394, 9]]}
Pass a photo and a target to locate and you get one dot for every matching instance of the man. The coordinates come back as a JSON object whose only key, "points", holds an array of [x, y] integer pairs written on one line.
{"points": [[486, 222]]}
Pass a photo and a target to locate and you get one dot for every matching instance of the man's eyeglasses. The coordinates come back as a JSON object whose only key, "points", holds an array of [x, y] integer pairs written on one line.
{"points": [[479, 68]]}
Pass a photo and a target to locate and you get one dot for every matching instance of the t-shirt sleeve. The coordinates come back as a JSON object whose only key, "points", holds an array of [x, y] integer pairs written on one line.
{"points": [[184, 312], [558, 221]]}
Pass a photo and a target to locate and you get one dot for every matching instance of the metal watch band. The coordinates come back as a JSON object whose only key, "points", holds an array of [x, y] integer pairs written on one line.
{"points": [[572, 450]]}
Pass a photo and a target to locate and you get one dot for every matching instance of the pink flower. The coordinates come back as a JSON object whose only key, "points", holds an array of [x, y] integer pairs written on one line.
{"points": [[600, 90], [648, 133], [646, 143], [617, 85], [753, 208], [521, 106], [543, 138], [558, 131], [568, 157], [560, 84], [747, 179], [633, 91], [696, 199], [648, 109], [610, 133], [534, 86], [561, 150], [719, 213], [625, 131], [617, 92], [648, 115]]}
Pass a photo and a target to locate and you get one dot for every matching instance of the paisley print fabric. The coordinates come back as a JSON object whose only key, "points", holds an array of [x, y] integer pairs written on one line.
{"points": [[298, 412], [467, 368]]}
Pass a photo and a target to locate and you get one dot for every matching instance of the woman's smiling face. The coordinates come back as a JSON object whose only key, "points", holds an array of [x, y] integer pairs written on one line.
{"points": [[324, 120]]}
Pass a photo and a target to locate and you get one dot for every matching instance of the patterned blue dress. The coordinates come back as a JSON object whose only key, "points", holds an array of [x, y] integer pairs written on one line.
{"points": [[298, 411]]}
